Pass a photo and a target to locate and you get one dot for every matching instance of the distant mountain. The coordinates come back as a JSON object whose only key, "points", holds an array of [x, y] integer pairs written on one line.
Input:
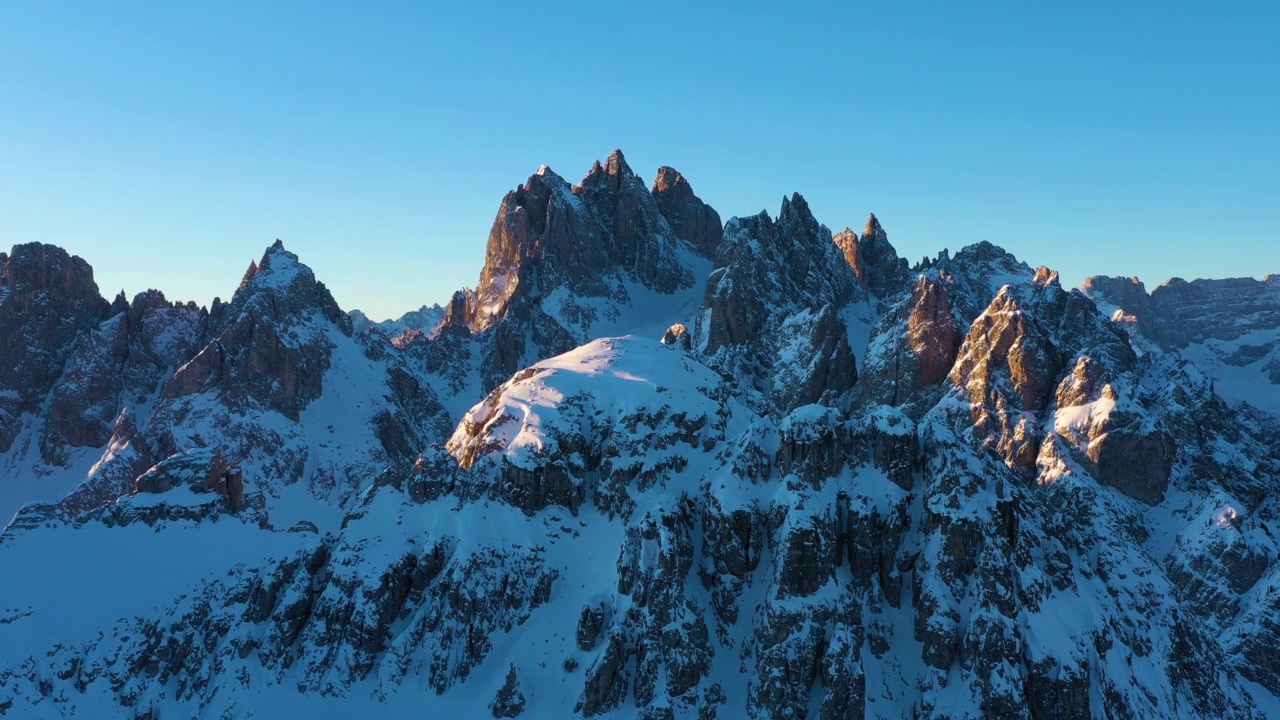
{"points": [[654, 465], [423, 320]]}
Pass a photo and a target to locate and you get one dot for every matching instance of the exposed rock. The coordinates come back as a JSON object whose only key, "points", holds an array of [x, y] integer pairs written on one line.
{"points": [[607, 680], [253, 357], [692, 220], [1127, 296], [1192, 312], [119, 364], [47, 299], [590, 624], [509, 702], [678, 334], [1005, 368], [913, 347], [874, 261], [779, 289]]}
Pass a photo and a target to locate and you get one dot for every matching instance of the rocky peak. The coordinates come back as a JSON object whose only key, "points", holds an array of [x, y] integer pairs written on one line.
{"points": [[779, 288], [692, 220], [47, 299], [270, 342], [1045, 277], [847, 241], [459, 314], [250, 272], [36, 270], [796, 215], [976, 274], [279, 286], [1005, 368], [119, 304], [874, 260], [584, 249], [766, 267], [143, 303], [611, 175], [1123, 299]]}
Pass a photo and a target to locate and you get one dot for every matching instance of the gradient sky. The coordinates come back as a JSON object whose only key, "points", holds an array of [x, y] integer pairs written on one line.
{"points": [[170, 143]]}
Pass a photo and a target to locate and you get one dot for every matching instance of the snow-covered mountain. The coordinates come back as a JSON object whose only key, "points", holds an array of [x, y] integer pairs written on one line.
{"points": [[424, 320], [652, 466]]}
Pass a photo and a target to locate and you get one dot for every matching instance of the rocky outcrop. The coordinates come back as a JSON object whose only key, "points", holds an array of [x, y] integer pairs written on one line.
{"points": [[587, 238], [874, 261], [119, 365], [692, 220], [1127, 300], [775, 307], [510, 701], [269, 345], [912, 347], [1005, 369], [47, 300], [1193, 312]]}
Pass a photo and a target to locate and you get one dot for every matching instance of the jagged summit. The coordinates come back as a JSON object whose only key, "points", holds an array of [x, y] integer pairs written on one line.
{"points": [[690, 218], [563, 261], [872, 229], [874, 260], [48, 298]]}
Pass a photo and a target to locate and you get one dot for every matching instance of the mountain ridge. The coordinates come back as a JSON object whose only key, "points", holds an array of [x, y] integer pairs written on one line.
{"points": [[838, 486]]}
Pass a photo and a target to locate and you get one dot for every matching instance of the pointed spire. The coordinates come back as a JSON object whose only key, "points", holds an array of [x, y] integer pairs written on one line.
{"points": [[253, 269], [873, 229], [616, 164], [120, 304]]}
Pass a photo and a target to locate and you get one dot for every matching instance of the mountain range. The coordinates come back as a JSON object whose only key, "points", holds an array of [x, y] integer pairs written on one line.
{"points": [[651, 464]]}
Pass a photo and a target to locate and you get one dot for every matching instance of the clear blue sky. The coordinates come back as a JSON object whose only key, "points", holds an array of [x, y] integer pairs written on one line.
{"points": [[170, 143]]}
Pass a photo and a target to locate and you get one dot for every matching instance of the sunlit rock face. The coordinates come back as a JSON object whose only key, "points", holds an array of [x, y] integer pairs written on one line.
{"points": [[566, 263], [651, 466], [692, 220], [874, 261], [912, 347]]}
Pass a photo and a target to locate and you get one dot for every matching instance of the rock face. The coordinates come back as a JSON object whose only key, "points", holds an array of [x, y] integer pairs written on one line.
{"points": [[589, 238], [777, 308], [1006, 366], [692, 220], [913, 346], [249, 357], [564, 262], [874, 261], [1192, 312], [1228, 327], [119, 365], [1127, 300], [47, 300], [1030, 502]]}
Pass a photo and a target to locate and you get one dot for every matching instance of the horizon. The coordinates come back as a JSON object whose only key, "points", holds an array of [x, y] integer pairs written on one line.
{"points": [[169, 146]]}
